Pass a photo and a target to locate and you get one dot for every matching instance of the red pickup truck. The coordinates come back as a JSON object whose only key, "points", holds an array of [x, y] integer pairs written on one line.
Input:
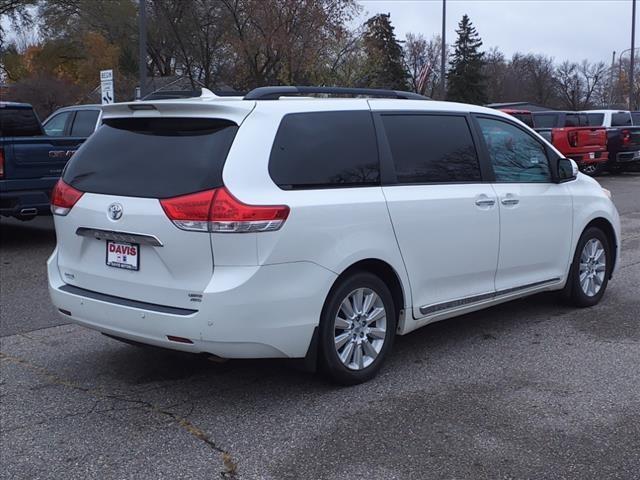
{"points": [[570, 133]]}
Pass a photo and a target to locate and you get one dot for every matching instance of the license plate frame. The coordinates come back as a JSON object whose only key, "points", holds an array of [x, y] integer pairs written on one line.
{"points": [[123, 262]]}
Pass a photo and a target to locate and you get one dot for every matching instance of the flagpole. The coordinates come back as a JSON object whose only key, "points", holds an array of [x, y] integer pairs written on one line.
{"points": [[444, 49]]}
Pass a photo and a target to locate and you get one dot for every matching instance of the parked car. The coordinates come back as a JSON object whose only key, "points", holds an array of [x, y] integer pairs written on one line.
{"points": [[30, 161], [524, 116], [317, 228], [576, 138], [74, 121], [623, 138]]}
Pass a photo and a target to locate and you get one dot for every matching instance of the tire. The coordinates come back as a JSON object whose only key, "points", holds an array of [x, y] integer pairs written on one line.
{"points": [[592, 169], [615, 169], [593, 244], [352, 330]]}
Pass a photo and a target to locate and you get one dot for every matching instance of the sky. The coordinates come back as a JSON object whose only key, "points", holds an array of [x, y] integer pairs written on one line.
{"points": [[564, 29]]}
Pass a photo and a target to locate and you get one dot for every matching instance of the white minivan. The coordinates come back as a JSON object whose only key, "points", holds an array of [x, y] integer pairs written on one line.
{"points": [[277, 225]]}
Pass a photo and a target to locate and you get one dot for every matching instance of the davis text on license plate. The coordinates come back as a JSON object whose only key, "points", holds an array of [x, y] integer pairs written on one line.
{"points": [[123, 255]]}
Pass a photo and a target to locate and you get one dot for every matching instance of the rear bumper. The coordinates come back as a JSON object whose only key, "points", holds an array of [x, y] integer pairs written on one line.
{"points": [[246, 312], [628, 157], [26, 197], [590, 158]]}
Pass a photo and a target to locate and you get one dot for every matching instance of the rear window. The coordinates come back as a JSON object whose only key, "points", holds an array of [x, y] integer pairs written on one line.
{"points": [[19, 122], [621, 119], [635, 116], [325, 150], [152, 157], [432, 148], [545, 120], [595, 119]]}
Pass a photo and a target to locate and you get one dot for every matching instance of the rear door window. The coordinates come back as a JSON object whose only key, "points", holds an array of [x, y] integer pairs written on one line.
{"points": [[432, 148], [635, 116], [325, 150], [572, 120], [545, 120], [595, 119], [85, 123], [152, 157], [516, 156], [621, 119], [19, 122]]}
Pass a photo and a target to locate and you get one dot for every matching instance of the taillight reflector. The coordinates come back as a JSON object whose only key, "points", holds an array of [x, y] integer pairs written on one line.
{"points": [[219, 211], [626, 136], [63, 198]]}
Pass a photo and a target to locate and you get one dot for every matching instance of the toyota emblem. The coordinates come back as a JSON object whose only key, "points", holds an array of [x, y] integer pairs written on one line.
{"points": [[115, 211]]}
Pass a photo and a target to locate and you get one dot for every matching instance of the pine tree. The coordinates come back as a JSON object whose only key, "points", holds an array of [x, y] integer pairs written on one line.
{"points": [[466, 82], [384, 66]]}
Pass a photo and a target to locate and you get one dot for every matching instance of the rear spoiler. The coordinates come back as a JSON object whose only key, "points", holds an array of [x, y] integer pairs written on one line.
{"points": [[229, 109]]}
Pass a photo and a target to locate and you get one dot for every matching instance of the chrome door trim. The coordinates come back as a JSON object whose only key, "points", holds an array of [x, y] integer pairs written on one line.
{"points": [[118, 236], [440, 307]]}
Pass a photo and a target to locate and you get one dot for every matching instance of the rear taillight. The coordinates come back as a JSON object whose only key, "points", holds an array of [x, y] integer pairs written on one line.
{"points": [[63, 198], [220, 212], [1, 162], [626, 137], [573, 138]]}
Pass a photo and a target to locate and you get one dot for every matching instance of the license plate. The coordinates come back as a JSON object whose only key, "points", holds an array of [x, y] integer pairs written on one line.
{"points": [[592, 155], [123, 255]]}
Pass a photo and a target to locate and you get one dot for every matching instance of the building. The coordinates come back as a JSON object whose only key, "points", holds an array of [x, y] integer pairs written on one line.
{"points": [[532, 107]]}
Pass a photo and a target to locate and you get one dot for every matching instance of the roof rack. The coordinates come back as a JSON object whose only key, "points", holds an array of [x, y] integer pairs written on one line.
{"points": [[274, 93]]}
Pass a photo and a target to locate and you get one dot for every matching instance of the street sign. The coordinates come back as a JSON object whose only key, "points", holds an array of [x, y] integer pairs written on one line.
{"points": [[106, 86]]}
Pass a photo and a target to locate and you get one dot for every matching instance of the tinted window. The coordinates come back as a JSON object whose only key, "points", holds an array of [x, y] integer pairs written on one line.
{"points": [[572, 120], [545, 120], [84, 123], [636, 118], [325, 149], [55, 125], [431, 148], [152, 157], [595, 119], [525, 118], [622, 119], [516, 156], [19, 122]]}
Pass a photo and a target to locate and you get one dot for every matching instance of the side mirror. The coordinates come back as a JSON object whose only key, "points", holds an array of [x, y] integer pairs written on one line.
{"points": [[567, 170]]}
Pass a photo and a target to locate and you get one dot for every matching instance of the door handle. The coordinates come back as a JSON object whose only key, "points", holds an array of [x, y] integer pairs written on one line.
{"points": [[485, 202], [510, 201]]}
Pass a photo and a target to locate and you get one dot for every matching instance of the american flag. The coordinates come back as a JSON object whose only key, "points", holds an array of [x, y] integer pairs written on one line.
{"points": [[423, 77]]}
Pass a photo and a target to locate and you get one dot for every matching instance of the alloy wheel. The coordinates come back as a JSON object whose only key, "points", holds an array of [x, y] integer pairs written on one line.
{"points": [[593, 267], [360, 328]]}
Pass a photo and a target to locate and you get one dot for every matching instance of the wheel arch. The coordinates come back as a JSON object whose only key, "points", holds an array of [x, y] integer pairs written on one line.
{"points": [[387, 274], [607, 228]]}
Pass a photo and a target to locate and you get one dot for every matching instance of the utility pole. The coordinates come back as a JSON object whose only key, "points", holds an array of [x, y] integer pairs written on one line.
{"points": [[611, 87], [632, 97], [142, 46], [444, 49]]}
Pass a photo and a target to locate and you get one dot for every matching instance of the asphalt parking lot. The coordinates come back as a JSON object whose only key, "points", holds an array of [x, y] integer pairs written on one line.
{"points": [[529, 389]]}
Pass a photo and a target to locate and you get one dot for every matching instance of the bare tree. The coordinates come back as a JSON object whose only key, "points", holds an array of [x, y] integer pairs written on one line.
{"points": [[422, 61]]}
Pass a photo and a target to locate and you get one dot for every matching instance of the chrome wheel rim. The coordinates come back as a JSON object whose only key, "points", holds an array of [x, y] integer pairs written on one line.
{"points": [[360, 328], [589, 169], [593, 267]]}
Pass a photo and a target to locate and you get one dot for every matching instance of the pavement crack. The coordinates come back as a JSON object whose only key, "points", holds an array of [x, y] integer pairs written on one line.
{"points": [[230, 466]]}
